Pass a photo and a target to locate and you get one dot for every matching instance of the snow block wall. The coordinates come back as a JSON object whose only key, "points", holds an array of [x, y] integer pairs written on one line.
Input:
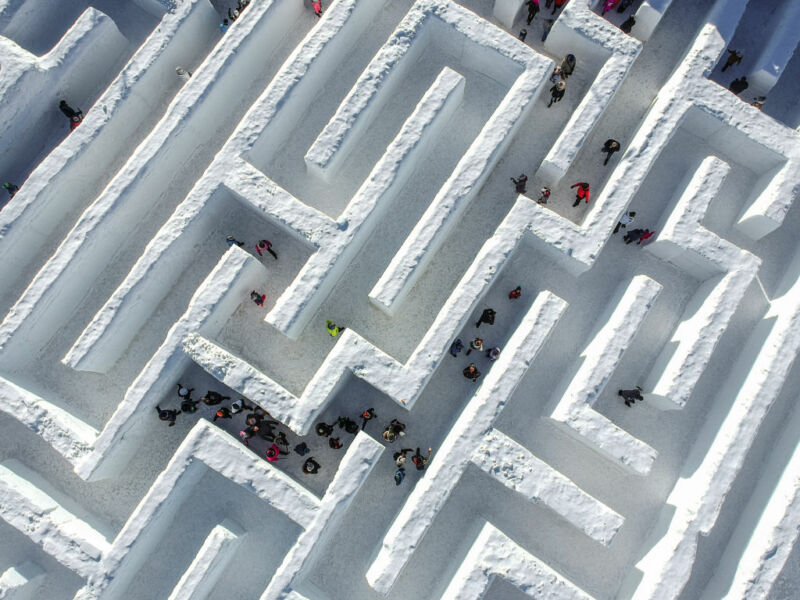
{"points": [[418, 364]]}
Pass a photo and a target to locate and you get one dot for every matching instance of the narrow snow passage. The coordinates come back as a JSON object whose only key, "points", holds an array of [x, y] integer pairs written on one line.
{"points": [[762, 22], [214, 499], [61, 584], [138, 251]]}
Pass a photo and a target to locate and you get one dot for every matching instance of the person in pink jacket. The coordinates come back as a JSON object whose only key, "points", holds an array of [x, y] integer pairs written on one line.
{"points": [[609, 5]]}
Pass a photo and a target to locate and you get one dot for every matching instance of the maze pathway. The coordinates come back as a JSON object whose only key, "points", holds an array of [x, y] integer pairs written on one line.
{"points": [[374, 147]]}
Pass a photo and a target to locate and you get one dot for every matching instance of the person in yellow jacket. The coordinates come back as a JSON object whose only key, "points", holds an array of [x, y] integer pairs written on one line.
{"points": [[333, 328]]}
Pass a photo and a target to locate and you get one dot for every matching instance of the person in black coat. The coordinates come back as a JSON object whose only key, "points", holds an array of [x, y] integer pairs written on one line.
{"points": [[609, 148], [487, 316], [471, 372], [739, 85], [167, 415], [557, 92], [631, 396]]}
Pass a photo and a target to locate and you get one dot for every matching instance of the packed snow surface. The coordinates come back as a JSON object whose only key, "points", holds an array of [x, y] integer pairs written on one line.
{"points": [[440, 337]]}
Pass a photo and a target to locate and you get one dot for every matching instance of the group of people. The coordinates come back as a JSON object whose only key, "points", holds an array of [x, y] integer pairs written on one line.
{"points": [[391, 433], [740, 84], [259, 423], [535, 5], [233, 14], [582, 189], [533, 9], [632, 235], [559, 78], [488, 315], [621, 6], [75, 116]]}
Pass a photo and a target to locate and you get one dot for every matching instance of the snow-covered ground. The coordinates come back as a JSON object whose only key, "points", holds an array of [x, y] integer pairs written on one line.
{"points": [[374, 148]]}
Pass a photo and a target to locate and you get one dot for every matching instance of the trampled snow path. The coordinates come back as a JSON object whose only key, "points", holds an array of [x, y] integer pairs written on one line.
{"points": [[373, 147]]}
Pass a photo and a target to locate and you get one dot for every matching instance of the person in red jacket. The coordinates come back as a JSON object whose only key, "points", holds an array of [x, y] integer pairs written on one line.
{"points": [[646, 235], [317, 5], [582, 193]]}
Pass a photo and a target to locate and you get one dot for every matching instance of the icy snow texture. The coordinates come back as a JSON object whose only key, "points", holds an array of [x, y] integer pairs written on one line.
{"points": [[373, 147]]}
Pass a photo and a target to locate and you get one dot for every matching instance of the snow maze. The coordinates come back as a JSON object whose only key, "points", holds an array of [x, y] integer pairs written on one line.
{"points": [[374, 147]]}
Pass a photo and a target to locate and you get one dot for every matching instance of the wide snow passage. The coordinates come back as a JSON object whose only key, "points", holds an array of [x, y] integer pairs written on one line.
{"points": [[381, 150]]}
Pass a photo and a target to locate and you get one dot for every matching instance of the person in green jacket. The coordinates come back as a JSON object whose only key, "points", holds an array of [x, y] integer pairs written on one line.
{"points": [[333, 328]]}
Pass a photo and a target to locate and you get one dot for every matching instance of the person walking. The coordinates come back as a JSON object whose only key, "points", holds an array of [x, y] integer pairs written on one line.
{"points": [[239, 405], [758, 102], [213, 398], [628, 24], [558, 4], [233, 14], [333, 328], [633, 235], [476, 344], [311, 467], [493, 353], [734, 58], [266, 429], [582, 193], [399, 475], [471, 372], [421, 461], [10, 188], [544, 195], [557, 92], [258, 298], [397, 428], [623, 6], [533, 8], [184, 392], [523, 33], [183, 74], [334, 443], [189, 406], [273, 453], [631, 396], [546, 27], [367, 415], [223, 27], [625, 220], [317, 5], [283, 443], [645, 236], [487, 316], [75, 116], [242, 4], [323, 429], [520, 184], [265, 245], [515, 293], [456, 348], [608, 5], [167, 415], [609, 148], [347, 424], [739, 85], [567, 66], [230, 240], [400, 456], [223, 412]]}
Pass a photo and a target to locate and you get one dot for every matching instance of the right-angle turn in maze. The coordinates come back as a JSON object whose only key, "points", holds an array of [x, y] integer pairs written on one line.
{"points": [[396, 299]]}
